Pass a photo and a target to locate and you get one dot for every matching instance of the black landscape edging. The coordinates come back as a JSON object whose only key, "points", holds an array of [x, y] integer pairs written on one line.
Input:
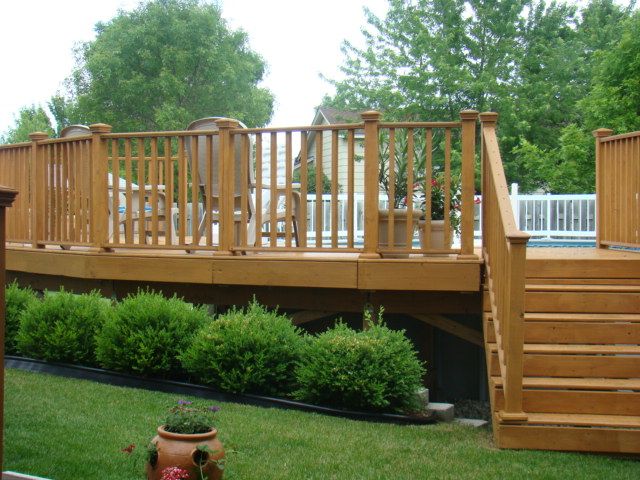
{"points": [[170, 386]]}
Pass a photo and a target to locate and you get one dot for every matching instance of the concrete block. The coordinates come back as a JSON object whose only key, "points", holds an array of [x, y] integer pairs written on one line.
{"points": [[19, 476], [444, 412], [472, 422]]}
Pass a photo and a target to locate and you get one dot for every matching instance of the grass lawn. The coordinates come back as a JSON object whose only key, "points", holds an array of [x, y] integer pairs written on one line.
{"points": [[72, 429]]}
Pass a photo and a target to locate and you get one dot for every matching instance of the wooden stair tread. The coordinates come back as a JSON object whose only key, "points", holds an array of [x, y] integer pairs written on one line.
{"points": [[586, 420], [587, 288], [582, 317], [570, 383], [565, 349]]}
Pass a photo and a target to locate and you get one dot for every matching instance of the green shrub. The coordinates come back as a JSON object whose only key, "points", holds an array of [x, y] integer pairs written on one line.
{"points": [[62, 327], [16, 302], [147, 333], [252, 350], [376, 369]]}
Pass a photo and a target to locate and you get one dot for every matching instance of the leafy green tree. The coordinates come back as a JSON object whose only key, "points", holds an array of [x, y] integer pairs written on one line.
{"points": [[531, 61], [311, 180], [614, 100], [30, 119], [162, 65]]}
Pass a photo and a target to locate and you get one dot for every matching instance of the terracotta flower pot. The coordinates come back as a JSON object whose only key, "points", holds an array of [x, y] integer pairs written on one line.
{"points": [[181, 450]]}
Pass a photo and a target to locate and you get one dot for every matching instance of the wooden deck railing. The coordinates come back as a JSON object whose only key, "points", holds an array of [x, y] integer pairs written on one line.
{"points": [[504, 251], [617, 189], [138, 190]]}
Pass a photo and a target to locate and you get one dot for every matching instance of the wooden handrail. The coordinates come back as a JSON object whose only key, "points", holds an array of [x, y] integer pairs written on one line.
{"points": [[504, 252]]}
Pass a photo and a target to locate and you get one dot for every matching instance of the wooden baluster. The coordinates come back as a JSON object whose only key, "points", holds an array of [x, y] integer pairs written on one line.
{"points": [[371, 184], [99, 216], [391, 178], [208, 201], [183, 192], [468, 118], [302, 221], [258, 166], [409, 189], [142, 194], [601, 186], [319, 188], [350, 186], [245, 165], [168, 182], [447, 187], [154, 176], [115, 191], [288, 190], [37, 190], [334, 189], [273, 193], [128, 168]]}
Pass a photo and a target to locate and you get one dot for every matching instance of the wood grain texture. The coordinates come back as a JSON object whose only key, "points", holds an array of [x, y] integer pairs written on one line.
{"points": [[570, 439]]}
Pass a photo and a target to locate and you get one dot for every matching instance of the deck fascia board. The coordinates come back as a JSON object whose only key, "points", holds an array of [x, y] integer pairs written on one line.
{"points": [[338, 271]]}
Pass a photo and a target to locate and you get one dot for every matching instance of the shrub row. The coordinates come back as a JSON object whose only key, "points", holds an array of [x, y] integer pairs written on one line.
{"points": [[243, 350]]}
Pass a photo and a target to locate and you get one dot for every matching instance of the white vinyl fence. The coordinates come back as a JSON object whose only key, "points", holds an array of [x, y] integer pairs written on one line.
{"points": [[545, 216]]}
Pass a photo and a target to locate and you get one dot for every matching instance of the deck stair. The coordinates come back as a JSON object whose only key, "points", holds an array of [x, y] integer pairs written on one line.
{"points": [[581, 383]]}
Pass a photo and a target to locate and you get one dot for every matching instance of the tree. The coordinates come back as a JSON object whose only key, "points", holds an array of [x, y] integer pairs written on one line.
{"points": [[30, 119], [531, 61], [162, 65], [614, 100], [311, 179]]}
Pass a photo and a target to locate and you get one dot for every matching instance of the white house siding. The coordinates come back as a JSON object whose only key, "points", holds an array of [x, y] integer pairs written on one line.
{"points": [[343, 170]]}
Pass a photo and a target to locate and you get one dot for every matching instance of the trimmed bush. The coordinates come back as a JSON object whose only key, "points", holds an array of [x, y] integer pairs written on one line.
{"points": [[147, 333], [16, 302], [252, 350], [376, 369], [62, 327]]}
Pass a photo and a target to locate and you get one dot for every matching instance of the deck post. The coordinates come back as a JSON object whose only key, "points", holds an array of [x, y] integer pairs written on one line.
{"points": [[99, 211], [469, 119], [371, 184], [226, 186], [37, 189], [514, 333], [601, 208], [7, 197]]}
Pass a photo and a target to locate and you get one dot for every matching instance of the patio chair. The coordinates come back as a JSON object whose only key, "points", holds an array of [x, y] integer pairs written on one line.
{"points": [[81, 130], [253, 238]]}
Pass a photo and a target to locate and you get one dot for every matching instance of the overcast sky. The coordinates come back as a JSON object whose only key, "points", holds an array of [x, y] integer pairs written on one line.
{"points": [[299, 39]]}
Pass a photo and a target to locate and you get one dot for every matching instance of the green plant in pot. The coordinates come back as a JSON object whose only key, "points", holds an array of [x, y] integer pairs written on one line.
{"points": [[186, 442], [432, 201], [397, 151]]}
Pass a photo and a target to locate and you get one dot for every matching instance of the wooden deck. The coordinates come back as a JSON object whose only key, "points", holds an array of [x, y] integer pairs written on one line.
{"points": [[561, 326]]}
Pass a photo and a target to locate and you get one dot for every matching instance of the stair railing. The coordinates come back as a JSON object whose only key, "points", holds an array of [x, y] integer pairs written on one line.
{"points": [[504, 249]]}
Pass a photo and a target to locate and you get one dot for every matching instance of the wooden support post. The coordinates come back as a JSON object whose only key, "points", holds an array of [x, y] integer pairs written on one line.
{"points": [[469, 118], [601, 208], [514, 348], [37, 189], [488, 120], [7, 197], [371, 184], [227, 186], [99, 207]]}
